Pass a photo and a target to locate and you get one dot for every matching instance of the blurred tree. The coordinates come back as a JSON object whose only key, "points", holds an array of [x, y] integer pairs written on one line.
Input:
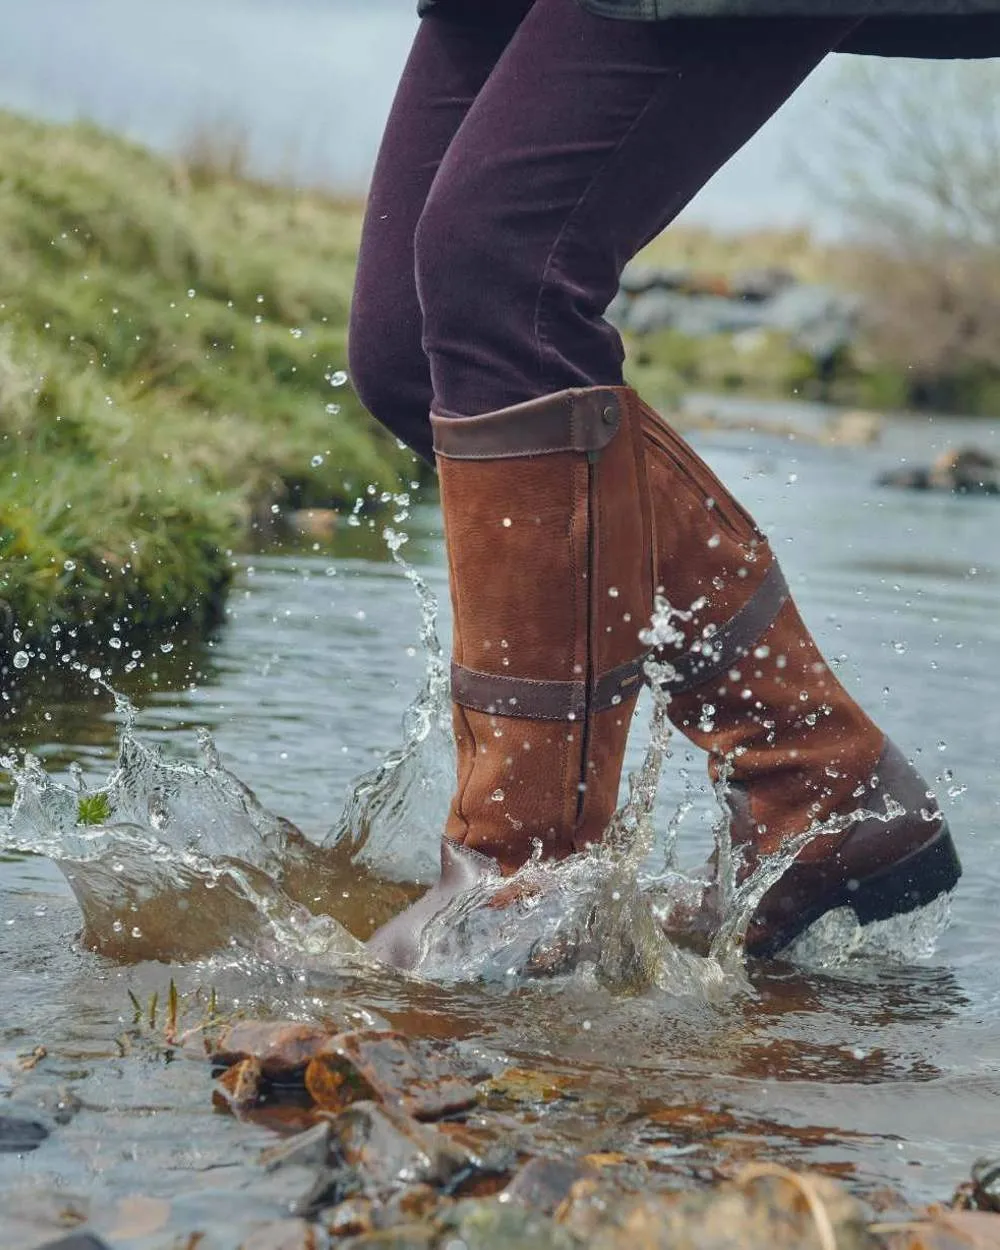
{"points": [[911, 156]]}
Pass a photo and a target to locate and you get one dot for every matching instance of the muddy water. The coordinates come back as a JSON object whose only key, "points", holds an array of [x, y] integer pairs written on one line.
{"points": [[879, 1068]]}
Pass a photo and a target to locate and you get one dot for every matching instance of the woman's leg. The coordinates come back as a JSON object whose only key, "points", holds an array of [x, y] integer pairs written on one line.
{"points": [[452, 56], [563, 496], [590, 136]]}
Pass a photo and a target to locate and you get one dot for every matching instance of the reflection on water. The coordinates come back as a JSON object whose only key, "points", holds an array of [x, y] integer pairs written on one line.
{"points": [[875, 1066]]}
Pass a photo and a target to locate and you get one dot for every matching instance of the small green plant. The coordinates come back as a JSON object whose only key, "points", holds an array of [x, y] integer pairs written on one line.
{"points": [[93, 809]]}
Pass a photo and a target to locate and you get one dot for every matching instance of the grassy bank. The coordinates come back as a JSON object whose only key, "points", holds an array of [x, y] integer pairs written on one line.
{"points": [[167, 339]]}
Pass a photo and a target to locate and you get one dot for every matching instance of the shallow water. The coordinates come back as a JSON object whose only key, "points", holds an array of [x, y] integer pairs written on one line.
{"points": [[878, 1068]]}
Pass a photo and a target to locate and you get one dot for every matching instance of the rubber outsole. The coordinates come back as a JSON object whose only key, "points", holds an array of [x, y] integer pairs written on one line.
{"points": [[911, 882]]}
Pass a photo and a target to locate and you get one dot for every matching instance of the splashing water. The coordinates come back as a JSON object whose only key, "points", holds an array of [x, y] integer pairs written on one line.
{"points": [[170, 860], [394, 813]]}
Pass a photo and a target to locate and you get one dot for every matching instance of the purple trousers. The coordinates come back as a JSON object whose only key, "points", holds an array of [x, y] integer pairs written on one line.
{"points": [[532, 149]]}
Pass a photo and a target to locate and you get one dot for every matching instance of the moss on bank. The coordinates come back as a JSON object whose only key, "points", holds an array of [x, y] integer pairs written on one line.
{"points": [[167, 340]]}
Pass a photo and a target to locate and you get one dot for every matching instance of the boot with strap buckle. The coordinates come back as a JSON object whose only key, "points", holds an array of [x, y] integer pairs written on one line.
{"points": [[549, 540], [751, 688]]}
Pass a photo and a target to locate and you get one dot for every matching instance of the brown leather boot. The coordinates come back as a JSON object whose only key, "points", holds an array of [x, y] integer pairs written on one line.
{"points": [[548, 532], [751, 688]]}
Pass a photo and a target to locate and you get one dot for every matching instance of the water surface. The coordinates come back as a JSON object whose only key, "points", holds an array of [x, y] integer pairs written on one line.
{"points": [[879, 1070]]}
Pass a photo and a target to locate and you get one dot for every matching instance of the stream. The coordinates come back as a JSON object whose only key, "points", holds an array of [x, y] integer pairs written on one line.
{"points": [[875, 1061]]}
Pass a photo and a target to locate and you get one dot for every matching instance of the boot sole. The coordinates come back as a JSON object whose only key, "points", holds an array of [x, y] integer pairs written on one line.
{"points": [[911, 882]]}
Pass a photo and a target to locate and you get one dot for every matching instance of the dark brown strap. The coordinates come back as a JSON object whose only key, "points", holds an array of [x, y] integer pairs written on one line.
{"points": [[544, 700], [734, 640], [582, 420]]}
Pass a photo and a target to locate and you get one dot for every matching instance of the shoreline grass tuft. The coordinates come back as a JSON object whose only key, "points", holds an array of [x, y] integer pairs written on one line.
{"points": [[167, 344]]}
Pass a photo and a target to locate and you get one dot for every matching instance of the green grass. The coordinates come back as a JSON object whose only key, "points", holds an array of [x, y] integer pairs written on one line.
{"points": [[167, 336]]}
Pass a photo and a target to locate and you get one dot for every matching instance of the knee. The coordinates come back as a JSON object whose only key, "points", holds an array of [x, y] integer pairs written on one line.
{"points": [[374, 353], [458, 260]]}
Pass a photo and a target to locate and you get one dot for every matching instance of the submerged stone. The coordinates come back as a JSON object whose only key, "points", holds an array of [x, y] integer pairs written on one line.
{"points": [[772, 1209], [403, 1237], [388, 1149], [287, 1235], [494, 1225], [307, 1149], [380, 1066], [282, 1049], [949, 1230], [543, 1184], [77, 1241], [239, 1088], [17, 1136]]}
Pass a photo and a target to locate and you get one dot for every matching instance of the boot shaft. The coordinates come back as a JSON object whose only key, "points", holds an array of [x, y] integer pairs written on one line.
{"points": [[752, 687], [547, 526]]}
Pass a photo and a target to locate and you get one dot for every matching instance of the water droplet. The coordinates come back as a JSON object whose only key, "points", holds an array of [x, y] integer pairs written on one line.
{"points": [[612, 592], [899, 647], [338, 378], [316, 461], [94, 674], [792, 479], [497, 796], [715, 540], [507, 522], [295, 332], [115, 643], [942, 746], [21, 659], [69, 565], [333, 409], [166, 647]]}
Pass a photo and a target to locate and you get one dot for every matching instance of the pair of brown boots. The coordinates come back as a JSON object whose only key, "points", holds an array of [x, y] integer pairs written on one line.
{"points": [[563, 518]]}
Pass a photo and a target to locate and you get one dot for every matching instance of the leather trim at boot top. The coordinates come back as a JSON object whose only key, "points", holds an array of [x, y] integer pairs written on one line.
{"points": [[550, 570], [574, 420]]}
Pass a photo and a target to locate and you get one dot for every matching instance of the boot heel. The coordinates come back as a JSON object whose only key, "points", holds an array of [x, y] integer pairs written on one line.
{"points": [[909, 883]]}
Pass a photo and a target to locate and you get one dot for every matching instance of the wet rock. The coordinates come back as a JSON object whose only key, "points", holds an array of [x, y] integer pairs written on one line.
{"points": [[986, 1184], [379, 1066], [282, 1049], [18, 1136], [77, 1241], [308, 1149], [962, 471], [404, 1237], [239, 1088], [523, 1085], [350, 1218], [287, 1235], [947, 1230], [769, 1208], [544, 1184], [328, 1187], [388, 1149], [494, 1225]]}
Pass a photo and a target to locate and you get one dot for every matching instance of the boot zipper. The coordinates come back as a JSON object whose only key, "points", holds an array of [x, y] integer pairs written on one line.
{"points": [[581, 794]]}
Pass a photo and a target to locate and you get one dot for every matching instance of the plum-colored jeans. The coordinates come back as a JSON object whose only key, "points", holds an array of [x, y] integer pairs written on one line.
{"points": [[531, 151]]}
